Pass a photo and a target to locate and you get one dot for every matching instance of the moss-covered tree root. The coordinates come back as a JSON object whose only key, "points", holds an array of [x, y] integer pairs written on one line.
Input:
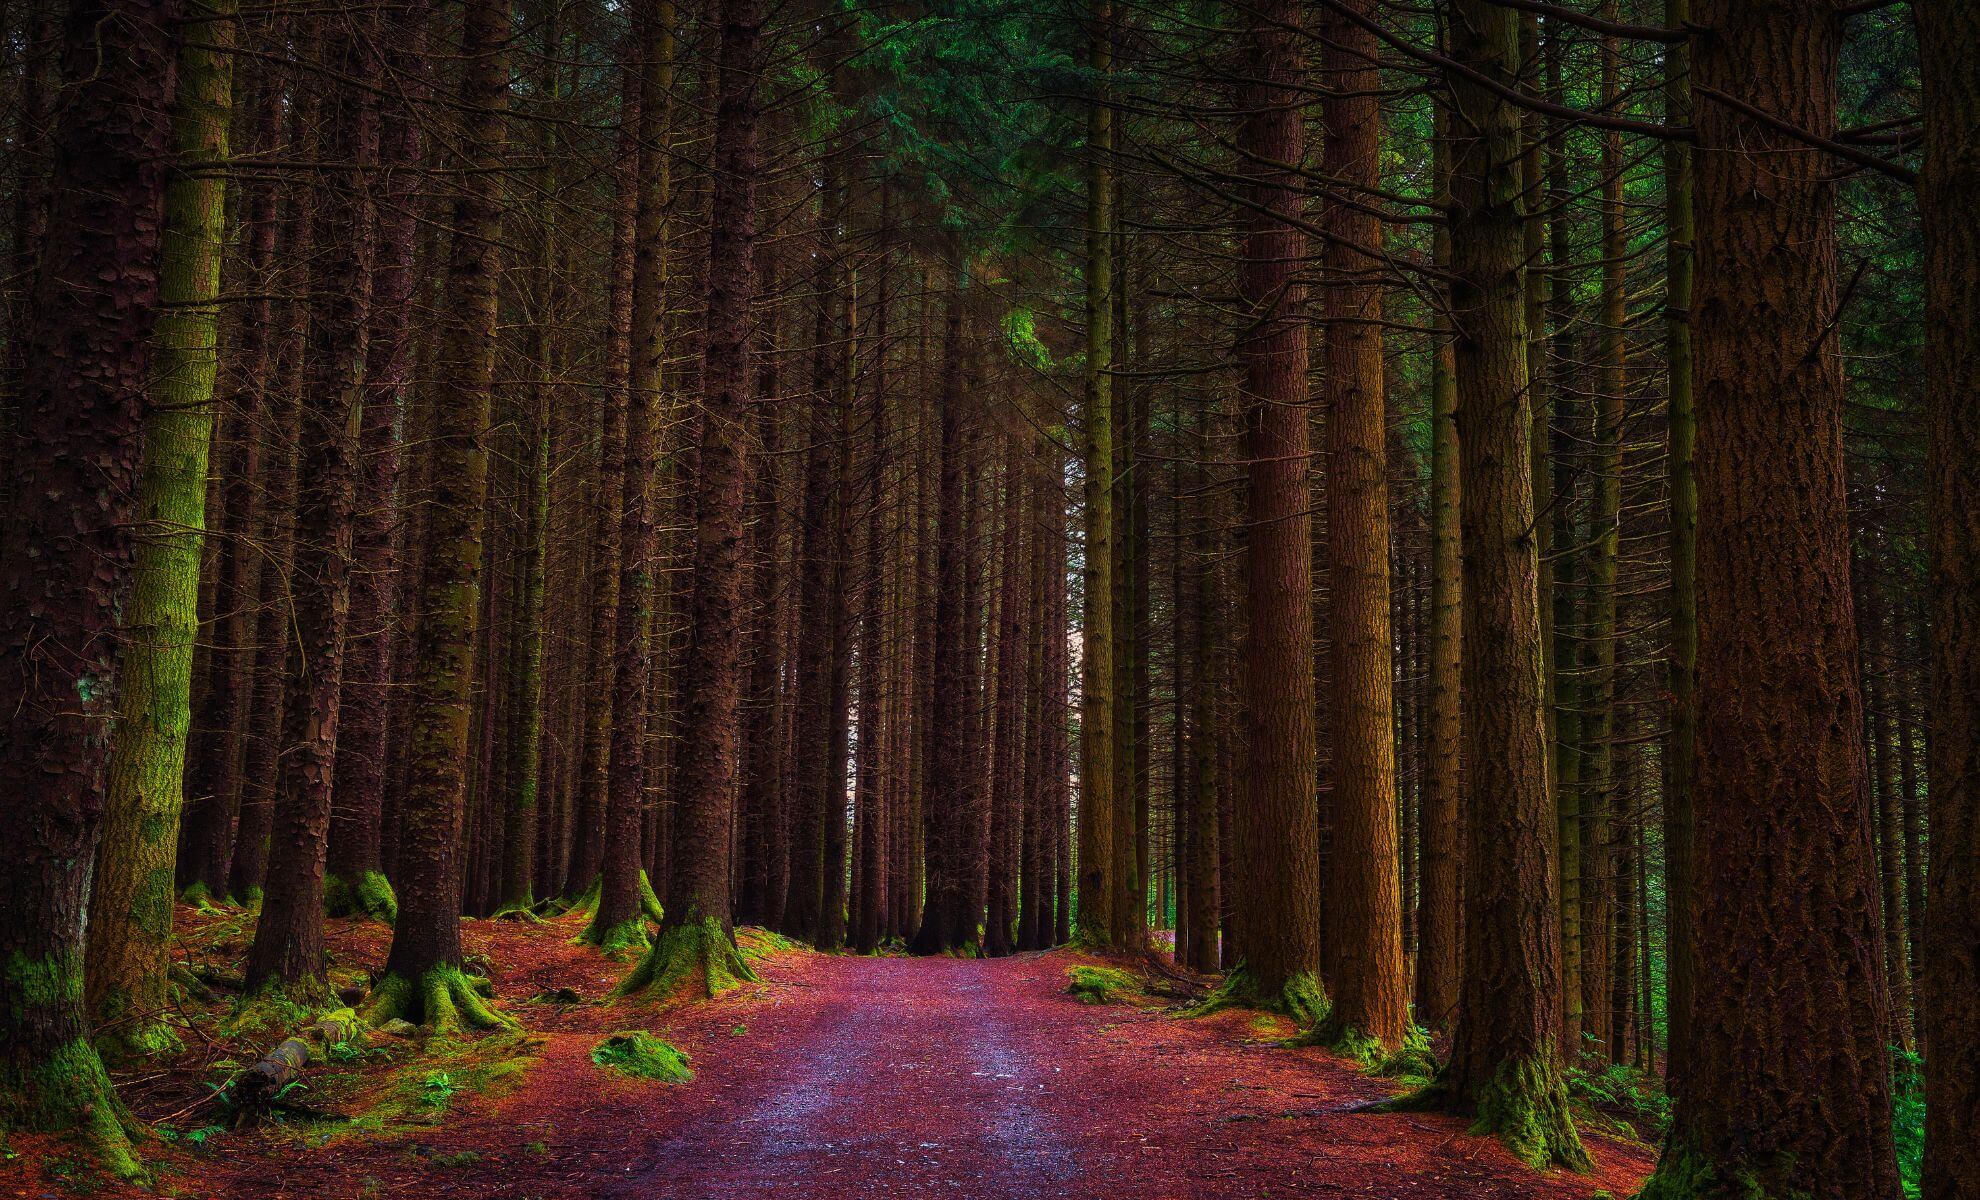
{"points": [[446, 1000], [696, 959], [69, 1092], [1685, 1174], [1302, 998], [368, 895], [1103, 985], [1524, 1104], [1411, 1059]]}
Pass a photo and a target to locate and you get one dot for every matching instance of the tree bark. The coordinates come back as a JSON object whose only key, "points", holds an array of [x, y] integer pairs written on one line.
{"points": [[65, 565], [1787, 1091], [1277, 857], [1949, 37], [1363, 903]]}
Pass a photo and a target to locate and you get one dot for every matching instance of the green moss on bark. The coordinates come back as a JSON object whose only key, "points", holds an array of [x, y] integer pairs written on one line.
{"points": [[446, 1000], [1524, 1105], [1685, 1174], [368, 895], [1302, 998], [69, 1092], [700, 958]]}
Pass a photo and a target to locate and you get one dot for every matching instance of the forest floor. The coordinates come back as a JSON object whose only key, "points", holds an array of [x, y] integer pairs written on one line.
{"points": [[832, 1076]]}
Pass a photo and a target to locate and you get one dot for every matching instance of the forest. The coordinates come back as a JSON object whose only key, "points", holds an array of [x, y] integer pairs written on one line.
{"points": [[1110, 599]]}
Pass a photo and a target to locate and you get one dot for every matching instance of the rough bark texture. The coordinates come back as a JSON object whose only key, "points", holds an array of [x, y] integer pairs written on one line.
{"points": [[1363, 905], [426, 943], [696, 945], [947, 784], [1097, 756], [1506, 1061], [616, 919], [356, 881], [1949, 34], [66, 546], [288, 937], [1680, 751], [1440, 940], [130, 918], [1277, 879], [1787, 1092]]}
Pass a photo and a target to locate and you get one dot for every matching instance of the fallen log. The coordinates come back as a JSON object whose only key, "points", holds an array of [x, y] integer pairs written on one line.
{"points": [[262, 1084]]}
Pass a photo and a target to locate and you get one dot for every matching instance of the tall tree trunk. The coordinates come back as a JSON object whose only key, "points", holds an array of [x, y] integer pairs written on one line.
{"points": [[215, 782], [288, 938], [1679, 755], [356, 882], [423, 980], [1370, 1011], [1506, 1061], [696, 947], [1788, 1086], [65, 568], [1278, 852], [616, 920], [1440, 940], [1097, 754], [1949, 36], [946, 767], [130, 906]]}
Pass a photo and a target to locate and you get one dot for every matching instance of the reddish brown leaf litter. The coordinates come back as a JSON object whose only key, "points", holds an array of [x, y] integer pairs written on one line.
{"points": [[839, 1077]]}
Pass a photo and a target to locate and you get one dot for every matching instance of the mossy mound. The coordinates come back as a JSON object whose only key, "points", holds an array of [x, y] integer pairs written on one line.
{"points": [[697, 959], [641, 1055], [1104, 985], [369, 895], [756, 942]]}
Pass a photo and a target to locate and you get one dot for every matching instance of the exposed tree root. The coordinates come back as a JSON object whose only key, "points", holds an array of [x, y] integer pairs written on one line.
{"points": [[70, 1093], [1302, 998], [445, 1000], [1524, 1105], [698, 959]]}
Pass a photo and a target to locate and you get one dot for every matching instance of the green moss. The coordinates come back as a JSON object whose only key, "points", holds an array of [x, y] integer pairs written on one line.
{"points": [[446, 1000], [1302, 998], [1524, 1104], [629, 934], [642, 1056], [699, 957], [1685, 1174], [421, 1091], [48, 982], [69, 1093], [758, 943], [205, 902], [1103, 985], [369, 895]]}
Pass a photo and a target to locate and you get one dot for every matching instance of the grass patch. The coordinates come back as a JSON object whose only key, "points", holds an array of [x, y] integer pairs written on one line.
{"points": [[642, 1056]]}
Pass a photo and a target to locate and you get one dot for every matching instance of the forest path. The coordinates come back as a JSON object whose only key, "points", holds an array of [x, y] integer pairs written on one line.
{"points": [[836, 1077], [983, 1078]]}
